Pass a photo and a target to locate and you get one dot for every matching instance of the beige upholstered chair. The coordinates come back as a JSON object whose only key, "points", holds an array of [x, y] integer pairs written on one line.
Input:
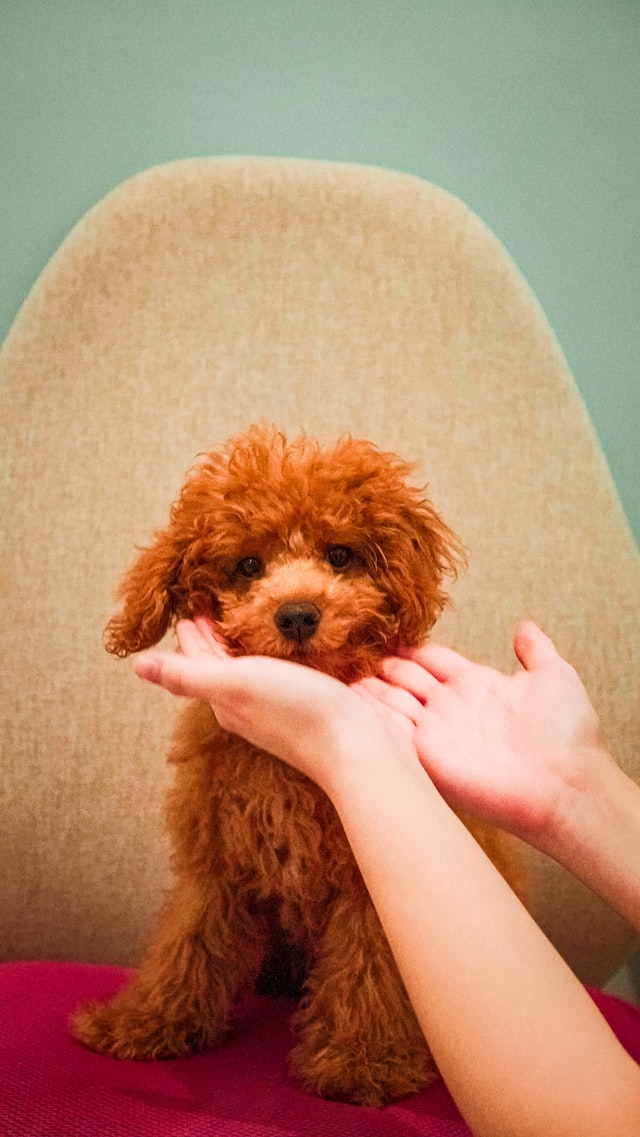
{"points": [[195, 299]]}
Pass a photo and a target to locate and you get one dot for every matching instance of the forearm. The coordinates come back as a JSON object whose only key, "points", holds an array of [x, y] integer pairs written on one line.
{"points": [[519, 1043]]}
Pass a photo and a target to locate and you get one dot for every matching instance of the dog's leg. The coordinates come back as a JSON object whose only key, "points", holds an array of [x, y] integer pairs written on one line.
{"points": [[359, 1039], [206, 949]]}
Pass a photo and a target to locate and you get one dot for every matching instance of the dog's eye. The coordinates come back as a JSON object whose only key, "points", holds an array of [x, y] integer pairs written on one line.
{"points": [[250, 567], [339, 557]]}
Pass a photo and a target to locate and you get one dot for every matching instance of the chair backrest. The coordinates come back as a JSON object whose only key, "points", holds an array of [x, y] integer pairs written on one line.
{"points": [[199, 297]]}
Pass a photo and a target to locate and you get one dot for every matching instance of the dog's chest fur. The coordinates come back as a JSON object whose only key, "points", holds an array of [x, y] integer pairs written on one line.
{"points": [[238, 812]]}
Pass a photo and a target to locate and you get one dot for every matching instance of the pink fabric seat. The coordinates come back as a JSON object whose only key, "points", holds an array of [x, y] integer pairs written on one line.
{"points": [[52, 1087]]}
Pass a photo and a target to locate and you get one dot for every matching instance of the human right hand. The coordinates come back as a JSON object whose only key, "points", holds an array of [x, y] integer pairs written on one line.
{"points": [[513, 750]]}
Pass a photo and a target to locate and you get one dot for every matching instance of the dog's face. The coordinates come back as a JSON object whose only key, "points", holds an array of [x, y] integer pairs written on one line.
{"points": [[327, 557]]}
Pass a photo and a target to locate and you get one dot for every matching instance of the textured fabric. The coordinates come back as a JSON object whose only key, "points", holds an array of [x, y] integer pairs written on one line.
{"points": [[199, 297], [50, 1086]]}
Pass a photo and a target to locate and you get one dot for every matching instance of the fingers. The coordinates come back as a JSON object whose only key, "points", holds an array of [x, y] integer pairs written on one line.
{"points": [[442, 663], [191, 639], [532, 647], [399, 702], [411, 676], [212, 633], [366, 691], [197, 637]]}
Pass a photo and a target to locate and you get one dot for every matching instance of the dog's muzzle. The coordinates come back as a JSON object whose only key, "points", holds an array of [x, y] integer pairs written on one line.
{"points": [[297, 620]]}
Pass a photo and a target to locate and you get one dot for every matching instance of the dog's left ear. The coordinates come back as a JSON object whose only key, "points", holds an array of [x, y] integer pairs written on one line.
{"points": [[422, 553]]}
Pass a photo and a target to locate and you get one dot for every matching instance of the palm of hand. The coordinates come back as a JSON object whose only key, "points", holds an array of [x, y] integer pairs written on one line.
{"points": [[508, 749]]}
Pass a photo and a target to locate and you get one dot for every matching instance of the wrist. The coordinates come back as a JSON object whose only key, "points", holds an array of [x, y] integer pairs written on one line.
{"points": [[596, 836], [368, 755], [587, 801]]}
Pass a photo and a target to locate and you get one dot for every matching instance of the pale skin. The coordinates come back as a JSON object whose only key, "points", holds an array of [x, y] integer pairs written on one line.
{"points": [[522, 1048]]}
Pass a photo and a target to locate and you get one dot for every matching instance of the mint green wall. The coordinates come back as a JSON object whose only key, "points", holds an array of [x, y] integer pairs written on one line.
{"points": [[527, 109]]}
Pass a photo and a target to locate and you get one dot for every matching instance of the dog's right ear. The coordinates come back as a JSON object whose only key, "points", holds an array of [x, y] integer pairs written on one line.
{"points": [[174, 576], [149, 595]]}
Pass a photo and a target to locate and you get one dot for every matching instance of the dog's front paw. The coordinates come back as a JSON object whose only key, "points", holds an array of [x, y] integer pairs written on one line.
{"points": [[357, 1075], [128, 1029]]}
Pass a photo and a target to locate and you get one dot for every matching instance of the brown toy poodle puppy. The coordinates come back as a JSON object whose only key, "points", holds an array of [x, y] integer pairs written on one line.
{"points": [[327, 557]]}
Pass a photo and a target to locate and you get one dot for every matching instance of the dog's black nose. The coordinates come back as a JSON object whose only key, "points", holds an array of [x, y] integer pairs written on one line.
{"points": [[297, 620]]}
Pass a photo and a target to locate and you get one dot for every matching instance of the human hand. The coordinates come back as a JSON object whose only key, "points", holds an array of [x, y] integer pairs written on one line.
{"points": [[301, 715], [511, 750]]}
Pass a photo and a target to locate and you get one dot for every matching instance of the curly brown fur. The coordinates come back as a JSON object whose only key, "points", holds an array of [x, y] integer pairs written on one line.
{"points": [[262, 866]]}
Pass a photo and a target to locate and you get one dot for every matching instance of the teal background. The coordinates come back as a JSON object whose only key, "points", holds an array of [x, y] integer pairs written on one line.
{"points": [[529, 110]]}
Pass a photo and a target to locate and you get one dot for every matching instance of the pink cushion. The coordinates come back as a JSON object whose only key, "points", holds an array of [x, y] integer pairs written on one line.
{"points": [[50, 1086]]}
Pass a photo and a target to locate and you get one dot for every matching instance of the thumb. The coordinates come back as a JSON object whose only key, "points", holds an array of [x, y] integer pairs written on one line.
{"points": [[532, 647], [193, 676]]}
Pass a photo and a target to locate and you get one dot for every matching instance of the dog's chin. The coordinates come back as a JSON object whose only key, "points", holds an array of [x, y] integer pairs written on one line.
{"points": [[348, 662], [309, 656]]}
